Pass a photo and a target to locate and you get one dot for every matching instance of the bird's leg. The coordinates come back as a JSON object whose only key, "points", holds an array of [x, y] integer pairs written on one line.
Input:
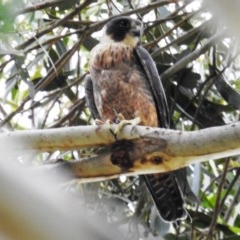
{"points": [[120, 150], [122, 122]]}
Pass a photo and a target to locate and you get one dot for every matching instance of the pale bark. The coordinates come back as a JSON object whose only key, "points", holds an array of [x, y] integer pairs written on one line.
{"points": [[152, 149]]}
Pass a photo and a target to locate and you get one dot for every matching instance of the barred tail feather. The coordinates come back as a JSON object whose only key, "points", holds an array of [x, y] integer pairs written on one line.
{"points": [[167, 196]]}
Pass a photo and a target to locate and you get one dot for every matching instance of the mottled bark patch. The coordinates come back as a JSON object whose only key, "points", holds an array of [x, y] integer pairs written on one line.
{"points": [[157, 160], [120, 155]]}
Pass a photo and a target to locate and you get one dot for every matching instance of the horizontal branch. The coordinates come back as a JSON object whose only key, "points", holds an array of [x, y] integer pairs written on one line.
{"points": [[139, 149]]}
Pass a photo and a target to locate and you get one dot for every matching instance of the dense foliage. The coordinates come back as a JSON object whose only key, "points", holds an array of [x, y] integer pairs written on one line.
{"points": [[44, 54]]}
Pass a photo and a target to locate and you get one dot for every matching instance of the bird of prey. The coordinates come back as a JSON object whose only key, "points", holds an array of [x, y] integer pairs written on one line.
{"points": [[123, 79]]}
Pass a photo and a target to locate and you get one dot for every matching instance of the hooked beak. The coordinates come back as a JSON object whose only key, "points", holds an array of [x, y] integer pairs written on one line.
{"points": [[136, 28]]}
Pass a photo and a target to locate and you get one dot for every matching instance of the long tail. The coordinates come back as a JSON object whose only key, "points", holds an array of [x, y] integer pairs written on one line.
{"points": [[167, 196]]}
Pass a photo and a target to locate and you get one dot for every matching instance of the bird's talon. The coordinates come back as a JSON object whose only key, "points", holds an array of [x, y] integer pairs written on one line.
{"points": [[107, 123], [134, 122], [119, 118], [98, 122]]}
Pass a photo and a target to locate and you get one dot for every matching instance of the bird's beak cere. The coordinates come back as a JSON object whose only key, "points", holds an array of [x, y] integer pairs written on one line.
{"points": [[136, 28]]}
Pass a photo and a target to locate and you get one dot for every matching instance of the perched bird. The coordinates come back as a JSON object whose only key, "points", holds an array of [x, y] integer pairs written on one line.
{"points": [[124, 79]]}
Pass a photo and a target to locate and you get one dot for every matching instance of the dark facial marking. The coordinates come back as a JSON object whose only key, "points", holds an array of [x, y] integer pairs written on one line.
{"points": [[118, 28]]}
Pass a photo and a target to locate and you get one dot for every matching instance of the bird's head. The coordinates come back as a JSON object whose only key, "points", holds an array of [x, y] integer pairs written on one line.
{"points": [[123, 30]]}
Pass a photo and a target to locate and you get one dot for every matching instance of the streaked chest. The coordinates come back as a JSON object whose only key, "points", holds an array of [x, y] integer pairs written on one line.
{"points": [[120, 85]]}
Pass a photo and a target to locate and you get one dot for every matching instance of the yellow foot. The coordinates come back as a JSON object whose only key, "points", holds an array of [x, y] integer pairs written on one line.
{"points": [[123, 122]]}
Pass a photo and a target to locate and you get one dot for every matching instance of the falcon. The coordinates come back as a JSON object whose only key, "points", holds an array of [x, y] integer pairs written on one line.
{"points": [[124, 80]]}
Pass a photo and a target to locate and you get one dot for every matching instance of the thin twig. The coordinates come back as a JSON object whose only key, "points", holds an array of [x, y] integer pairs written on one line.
{"points": [[192, 56], [233, 204], [54, 25], [40, 6], [167, 33], [46, 80], [218, 199], [54, 71], [229, 189]]}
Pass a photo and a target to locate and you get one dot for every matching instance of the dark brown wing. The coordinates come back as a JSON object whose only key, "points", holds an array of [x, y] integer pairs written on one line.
{"points": [[155, 84], [164, 188], [90, 97]]}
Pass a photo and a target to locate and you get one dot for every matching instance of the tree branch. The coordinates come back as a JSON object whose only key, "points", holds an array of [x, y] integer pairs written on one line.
{"points": [[190, 57], [139, 150]]}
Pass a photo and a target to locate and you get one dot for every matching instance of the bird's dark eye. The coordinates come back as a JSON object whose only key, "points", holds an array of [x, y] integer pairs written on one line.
{"points": [[124, 24]]}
